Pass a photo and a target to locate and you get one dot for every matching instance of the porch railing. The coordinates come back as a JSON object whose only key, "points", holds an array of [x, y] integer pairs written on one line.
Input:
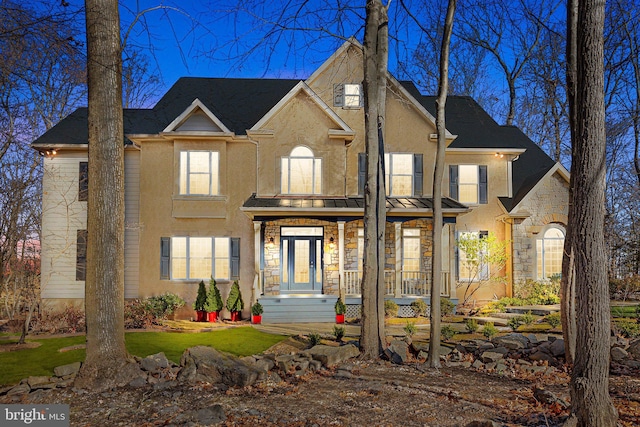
{"points": [[411, 283]]}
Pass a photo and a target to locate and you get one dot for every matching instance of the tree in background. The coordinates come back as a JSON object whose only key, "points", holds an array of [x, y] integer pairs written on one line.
{"points": [[107, 363], [376, 51], [591, 404], [438, 175]]}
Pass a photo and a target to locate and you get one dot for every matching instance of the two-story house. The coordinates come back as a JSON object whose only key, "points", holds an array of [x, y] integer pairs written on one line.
{"points": [[261, 181]]}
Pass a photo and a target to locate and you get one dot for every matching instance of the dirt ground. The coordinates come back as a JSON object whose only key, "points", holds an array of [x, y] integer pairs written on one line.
{"points": [[359, 394]]}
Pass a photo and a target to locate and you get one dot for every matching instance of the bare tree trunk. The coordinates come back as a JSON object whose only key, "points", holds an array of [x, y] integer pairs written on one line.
{"points": [[376, 45], [567, 282], [591, 403], [438, 174], [107, 362]]}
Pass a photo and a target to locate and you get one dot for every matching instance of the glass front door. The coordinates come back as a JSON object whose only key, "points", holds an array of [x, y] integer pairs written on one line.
{"points": [[301, 261]]}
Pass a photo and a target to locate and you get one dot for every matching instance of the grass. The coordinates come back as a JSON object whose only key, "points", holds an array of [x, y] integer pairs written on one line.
{"points": [[242, 341], [624, 310]]}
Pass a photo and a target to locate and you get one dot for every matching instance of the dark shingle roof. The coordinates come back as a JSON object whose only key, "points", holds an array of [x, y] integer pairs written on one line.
{"points": [[476, 129]]}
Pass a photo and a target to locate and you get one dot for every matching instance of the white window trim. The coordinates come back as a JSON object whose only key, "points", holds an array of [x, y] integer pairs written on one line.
{"points": [[540, 241], [406, 237], [389, 174], [316, 181], [358, 97], [214, 162], [476, 183]]}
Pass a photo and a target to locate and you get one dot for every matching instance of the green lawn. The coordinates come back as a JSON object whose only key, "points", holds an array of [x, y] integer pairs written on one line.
{"points": [[241, 341], [624, 310]]}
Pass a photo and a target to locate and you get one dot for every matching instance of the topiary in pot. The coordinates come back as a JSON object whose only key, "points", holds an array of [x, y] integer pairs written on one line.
{"points": [[214, 301], [341, 309], [256, 313], [201, 301], [234, 301]]}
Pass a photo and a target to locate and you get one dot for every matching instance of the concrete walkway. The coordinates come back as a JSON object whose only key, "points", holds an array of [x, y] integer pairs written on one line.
{"points": [[326, 329]]}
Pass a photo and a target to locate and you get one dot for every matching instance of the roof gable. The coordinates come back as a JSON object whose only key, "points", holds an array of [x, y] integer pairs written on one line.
{"points": [[197, 117], [302, 87]]}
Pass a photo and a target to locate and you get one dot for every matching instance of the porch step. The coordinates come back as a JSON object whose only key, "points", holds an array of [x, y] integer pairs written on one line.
{"points": [[298, 308], [497, 321]]}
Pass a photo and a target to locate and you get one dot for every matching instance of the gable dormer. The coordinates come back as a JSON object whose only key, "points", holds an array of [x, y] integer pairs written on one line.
{"points": [[195, 119]]}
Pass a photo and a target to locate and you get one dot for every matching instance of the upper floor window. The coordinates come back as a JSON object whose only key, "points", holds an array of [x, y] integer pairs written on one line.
{"points": [[398, 176], [301, 172], [403, 174], [348, 95], [550, 248], [83, 182], [199, 173], [199, 257], [468, 183]]}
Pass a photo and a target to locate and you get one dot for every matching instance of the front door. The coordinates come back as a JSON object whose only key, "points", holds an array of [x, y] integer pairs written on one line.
{"points": [[301, 259]]}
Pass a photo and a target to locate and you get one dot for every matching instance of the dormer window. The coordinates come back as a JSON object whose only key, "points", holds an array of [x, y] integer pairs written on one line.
{"points": [[348, 95], [301, 172]]}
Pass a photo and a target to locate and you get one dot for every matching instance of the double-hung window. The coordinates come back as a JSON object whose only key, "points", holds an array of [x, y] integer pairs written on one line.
{"points": [[348, 95], [301, 172], [199, 173], [184, 258], [403, 174], [549, 250], [468, 183], [410, 250]]}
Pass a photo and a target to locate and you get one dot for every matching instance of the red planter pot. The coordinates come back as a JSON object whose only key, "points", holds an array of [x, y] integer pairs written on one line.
{"points": [[256, 319], [201, 316], [339, 318], [213, 316], [236, 316]]}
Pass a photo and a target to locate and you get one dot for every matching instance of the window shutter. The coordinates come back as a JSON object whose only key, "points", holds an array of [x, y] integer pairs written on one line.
{"points": [[338, 95], [165, 257], [453, 182], [362, 172], [482, 179], [417, 175], [361, 89], [83, 181], [81, 255], [235, 258]]}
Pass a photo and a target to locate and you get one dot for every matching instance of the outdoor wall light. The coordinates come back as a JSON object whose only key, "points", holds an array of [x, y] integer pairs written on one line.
{"points": [[271, 243], [332, 243], [499, 155]]}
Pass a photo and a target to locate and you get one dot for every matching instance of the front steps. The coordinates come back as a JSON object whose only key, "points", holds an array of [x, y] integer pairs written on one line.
{"points": [[306, 308]]}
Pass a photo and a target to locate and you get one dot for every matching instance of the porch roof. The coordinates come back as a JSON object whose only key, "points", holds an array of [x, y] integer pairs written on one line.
{"points": [[344, 207]]}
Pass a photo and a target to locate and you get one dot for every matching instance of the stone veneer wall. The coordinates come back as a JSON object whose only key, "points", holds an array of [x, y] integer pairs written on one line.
{"points": [[331, 279], [548, 204]]}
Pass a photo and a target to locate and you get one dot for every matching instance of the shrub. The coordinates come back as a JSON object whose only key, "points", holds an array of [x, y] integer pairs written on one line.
{"points": [[340, 307], [627, 328], [447, 332], [201, 298], [338, 332], [553, 320], [514, 323], [528, 318], [489, 330], [542, 292], [390, 308], [410, 328], [257, 309], [471, 325], [314, 339], [419, 307], [214, 299], [136, 315], [163, 306], [446, 307], [622, 289], [234, 300], [504, 302], [69, 320]]}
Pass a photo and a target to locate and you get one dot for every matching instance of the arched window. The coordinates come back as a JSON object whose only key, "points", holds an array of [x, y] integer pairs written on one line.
{"points": [[549, 247], [301, 172]]}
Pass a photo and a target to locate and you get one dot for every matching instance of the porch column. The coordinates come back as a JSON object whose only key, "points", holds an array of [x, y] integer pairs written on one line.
{"points": [[453, 276], [341, 257], [398, 233], [257, 227]]}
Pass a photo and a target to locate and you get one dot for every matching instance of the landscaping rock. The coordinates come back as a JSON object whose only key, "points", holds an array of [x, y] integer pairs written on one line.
{"points": [[285, 363], [541, 356], [545, 396], [491, 357], [618, 354], [19, 390], [397, 352], [483, 423], [207, 364], [65, 370], [557, 347], [138, 382], [634, 349], [39, 382], [513, 341], [330, 356], [155, 362], [211, 415]]}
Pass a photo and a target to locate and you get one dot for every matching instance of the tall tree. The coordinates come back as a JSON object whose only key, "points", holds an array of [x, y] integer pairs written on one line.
{"points": [[376, 50], [591, 403], [438, 175], [107, 362]]}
